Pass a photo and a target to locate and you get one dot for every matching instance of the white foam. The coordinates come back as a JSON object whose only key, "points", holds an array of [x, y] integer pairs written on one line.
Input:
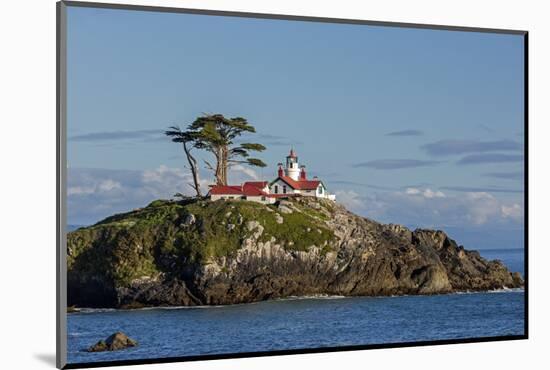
{"points": [[95, 310], [314, 296], [507, 290], [501, 290]]}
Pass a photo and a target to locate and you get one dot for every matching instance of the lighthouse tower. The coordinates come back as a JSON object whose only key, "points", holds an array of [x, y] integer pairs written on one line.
{"points": [[292, 169]]}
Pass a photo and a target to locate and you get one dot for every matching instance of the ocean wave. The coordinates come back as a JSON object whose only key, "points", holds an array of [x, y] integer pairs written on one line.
{"points": [[314, 296], [95, 310], [290, 298], [76, 334], [178, 307], [507, 290], [106, 310], [494, 291]]}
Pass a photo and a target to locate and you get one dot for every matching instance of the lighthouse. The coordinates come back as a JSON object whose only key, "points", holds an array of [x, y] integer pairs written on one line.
{"points": [[291, 181], [292, 169]]}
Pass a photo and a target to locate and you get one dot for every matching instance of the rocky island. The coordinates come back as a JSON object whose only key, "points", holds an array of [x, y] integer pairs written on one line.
{"points": [[201, 252]]}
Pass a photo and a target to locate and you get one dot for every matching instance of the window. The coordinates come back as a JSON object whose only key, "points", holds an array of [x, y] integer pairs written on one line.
{"points": [[263, 199], [284, 189], [320, 190], [276, 189]]}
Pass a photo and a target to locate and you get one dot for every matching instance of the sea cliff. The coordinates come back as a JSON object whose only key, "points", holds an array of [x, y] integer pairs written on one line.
{"points": [[197, 252]]}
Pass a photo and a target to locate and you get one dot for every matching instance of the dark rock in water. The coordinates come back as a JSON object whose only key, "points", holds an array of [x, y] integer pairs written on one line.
{"points": [[145, 258], [98, 347], [72, 309], [115, 342]]}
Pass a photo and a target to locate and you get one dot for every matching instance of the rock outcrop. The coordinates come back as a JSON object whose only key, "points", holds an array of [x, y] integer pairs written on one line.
{"points": [[115, 342], [184, 253]]}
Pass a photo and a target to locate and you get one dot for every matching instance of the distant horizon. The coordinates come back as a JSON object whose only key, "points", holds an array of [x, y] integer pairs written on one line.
{"points": [[410, 126]]}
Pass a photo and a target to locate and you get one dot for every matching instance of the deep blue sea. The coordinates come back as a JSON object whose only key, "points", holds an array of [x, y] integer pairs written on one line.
{"points": [[298, 323]]}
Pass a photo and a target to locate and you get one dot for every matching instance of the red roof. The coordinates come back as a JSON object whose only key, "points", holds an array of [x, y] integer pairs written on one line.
{"points": [[300, 185], [252, 188], [226, 189], [258, 184]]}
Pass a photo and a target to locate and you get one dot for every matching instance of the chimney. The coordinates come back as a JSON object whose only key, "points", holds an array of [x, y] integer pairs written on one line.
{"points": [[302, 173], [280, 171]]}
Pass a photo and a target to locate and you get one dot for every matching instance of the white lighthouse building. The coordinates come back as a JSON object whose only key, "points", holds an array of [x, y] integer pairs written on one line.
{"points": [[292, 170], [291, 181]]}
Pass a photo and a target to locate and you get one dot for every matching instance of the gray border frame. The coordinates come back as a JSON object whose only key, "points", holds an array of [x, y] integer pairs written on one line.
{"points": [[61, 194], [61, 186], [287, 17]]}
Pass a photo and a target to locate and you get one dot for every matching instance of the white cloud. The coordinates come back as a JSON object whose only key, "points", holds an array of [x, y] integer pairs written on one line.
{"points": [[242, 172], [514, 212], [94, 194], [108, 185], [79, 190], [412, 191], [350, 199], [481, 207], [427, 207], [426, 193], [163, 182], [101, 186]]}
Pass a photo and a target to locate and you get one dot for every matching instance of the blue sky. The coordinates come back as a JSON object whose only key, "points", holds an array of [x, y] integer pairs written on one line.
{"points": [[419, 127]]}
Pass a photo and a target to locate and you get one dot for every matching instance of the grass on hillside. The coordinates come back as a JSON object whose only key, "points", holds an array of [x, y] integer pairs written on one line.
{"points": [[137, 241]]}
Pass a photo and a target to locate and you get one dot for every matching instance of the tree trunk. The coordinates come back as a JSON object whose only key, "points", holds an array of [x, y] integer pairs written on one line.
{"points": [[221, 165], [218, 173], [194, 169], [224, 164]]}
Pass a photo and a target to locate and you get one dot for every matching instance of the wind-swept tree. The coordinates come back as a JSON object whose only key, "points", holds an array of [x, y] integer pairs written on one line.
{"points": [[217, 134], [188, 142]]}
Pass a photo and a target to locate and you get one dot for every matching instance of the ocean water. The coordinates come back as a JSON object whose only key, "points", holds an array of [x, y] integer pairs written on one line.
{"points": [[298, 323]]}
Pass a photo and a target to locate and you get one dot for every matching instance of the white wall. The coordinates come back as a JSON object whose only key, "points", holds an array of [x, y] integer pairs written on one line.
{"points": [[294, 172], [309, 193], [259, 199], [321, 191], [28, 168]]}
